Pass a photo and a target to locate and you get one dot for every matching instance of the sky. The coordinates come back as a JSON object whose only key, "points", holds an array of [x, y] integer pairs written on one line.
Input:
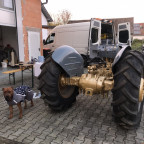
{"points": [[86, 9]]}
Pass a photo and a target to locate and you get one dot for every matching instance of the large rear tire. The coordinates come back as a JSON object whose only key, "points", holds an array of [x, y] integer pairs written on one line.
{"points": [[128, 76], [57, 97]]}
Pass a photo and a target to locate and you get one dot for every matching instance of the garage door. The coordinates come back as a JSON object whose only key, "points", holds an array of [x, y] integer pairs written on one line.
{"points": [[34, 44]]}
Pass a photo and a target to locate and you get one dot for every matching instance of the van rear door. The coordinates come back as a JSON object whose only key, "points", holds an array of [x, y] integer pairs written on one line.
{"points": [[94, 37], [124, 34]]}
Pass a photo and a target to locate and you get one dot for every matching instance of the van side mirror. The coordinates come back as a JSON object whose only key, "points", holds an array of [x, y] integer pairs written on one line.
{"points": [[51, 41]]}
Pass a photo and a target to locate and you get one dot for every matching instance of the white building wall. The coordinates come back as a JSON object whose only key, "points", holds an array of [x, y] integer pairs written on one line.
{"points": [[7, 18], [44, 31], [44, 20]]}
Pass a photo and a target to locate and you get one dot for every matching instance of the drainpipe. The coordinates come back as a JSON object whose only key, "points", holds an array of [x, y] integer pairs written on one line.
{"points": [[45, 2]]}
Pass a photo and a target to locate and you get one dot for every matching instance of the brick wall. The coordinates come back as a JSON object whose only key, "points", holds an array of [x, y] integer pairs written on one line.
{"points": [[139, 29], [123, 20], [31, 13]]}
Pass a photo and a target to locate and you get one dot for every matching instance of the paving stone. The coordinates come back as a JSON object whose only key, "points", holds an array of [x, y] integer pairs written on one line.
{"points": [[59, 139], [70, 126], [138, 141], [11, 137], [55, 143], [140, 136], [54, 134], [70, 138], [8, 133], [27, 141], [119, 138], [66, 142], [121, 131], [101, 134], [37, 141], [65, 132], [42, 136], [91, 136], [6, 128], [129, 142], [85, 130], [28, 125], [140, 130], [22, 137], [80, 137], [78, 142], [31, 137], [40, 130], [104, 127], [17, 133], [48, 140], [130, 137], [88, 121], [133, 132], [98, 140], [3, 119], [87, 141], [109, 138]]}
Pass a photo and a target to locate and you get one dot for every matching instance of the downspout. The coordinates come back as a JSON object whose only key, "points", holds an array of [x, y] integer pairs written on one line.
{"points": [[14, 3], [45, 2]]}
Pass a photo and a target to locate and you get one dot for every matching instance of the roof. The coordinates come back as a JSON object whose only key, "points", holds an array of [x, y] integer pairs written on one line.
{"points": [[46, 14], [48, 27], [77, 21]]}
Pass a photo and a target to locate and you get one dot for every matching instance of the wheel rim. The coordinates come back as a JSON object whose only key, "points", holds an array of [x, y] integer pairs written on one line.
{"points": [[141, 91], [65, 91]]}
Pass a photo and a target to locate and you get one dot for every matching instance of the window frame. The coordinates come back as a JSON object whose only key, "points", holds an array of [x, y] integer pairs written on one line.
{"points": [[49, 37], [8, 9], [120, 35]]}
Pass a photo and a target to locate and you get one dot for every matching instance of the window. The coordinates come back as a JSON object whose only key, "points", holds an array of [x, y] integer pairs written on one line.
{"points": [[123, 36], [7, 4], [94, 35], [50, 38]]}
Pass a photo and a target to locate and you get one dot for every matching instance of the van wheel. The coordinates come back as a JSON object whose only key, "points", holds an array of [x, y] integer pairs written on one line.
{"points": [[56, 96], [128, 89]]}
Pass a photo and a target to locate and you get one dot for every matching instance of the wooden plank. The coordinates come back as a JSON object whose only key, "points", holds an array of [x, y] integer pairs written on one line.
{"points": [[12, 71]]}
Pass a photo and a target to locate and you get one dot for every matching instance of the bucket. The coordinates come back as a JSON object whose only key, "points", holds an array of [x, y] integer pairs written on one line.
{"points": [[4, 64], [41, 59]]}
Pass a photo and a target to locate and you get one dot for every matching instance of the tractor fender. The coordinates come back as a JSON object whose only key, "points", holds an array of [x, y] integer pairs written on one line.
{"points": [[69, 59], [120, 53]]}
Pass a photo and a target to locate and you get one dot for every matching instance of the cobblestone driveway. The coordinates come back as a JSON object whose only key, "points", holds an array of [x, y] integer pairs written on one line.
{"points": [[88, 121]]}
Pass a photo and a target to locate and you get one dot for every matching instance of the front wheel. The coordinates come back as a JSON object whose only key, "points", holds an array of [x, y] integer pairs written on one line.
{"points": [[57, 97], [128, 89]]}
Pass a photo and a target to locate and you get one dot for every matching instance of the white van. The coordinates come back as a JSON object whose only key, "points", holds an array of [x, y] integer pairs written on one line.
{"points": [[94, 38], [74, 35]]}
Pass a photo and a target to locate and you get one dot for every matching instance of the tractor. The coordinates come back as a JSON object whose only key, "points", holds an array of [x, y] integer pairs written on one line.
{"points": [[111, 66]]}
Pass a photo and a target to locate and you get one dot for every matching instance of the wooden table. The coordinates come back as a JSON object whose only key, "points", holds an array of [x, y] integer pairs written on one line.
{"points": [[12, 73], [24, 67]]}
